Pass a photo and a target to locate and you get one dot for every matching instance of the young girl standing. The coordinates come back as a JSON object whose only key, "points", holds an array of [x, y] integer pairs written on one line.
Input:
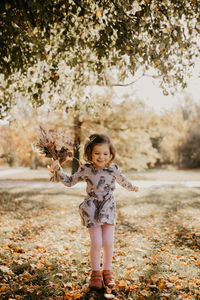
{"points": [[97, 211]]}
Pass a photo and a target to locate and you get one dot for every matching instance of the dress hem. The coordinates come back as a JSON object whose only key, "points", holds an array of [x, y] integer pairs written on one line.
{"points": [[100, 224]]}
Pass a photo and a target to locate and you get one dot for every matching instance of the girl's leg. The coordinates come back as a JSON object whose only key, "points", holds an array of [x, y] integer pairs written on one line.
{"points": [[95, 248], [108, 242]]}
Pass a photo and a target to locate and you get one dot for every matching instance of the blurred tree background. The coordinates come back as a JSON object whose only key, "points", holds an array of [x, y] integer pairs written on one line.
{"points": [[143, 138], [55, 52]]}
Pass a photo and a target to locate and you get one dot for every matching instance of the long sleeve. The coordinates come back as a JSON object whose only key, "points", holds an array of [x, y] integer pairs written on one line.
{"points": [[122, 180], [71, 180]]}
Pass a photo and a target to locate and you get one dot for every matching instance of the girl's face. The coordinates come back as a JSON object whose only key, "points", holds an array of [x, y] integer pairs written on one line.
{"points": [[101, 155]]}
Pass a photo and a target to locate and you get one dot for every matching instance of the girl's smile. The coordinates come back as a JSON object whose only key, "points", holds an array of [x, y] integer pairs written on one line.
{"points": [[101, 155]]}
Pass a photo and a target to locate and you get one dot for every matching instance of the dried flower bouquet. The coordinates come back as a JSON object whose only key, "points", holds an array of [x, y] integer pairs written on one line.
{"points": [[55, 145]]}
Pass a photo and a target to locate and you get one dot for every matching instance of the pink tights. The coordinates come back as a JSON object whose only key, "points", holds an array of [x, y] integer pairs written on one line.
{"points": [[101, 236]]}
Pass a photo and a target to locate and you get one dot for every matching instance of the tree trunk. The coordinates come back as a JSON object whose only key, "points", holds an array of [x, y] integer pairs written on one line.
{"points": [[77, 137], [34, 162]]}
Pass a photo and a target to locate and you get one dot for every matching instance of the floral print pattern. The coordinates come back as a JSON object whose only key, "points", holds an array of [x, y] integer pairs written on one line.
{"points": [[99, 206]]}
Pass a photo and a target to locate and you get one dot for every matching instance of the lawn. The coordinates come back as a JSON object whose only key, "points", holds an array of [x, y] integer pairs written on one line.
{"points": [[45, 251]]}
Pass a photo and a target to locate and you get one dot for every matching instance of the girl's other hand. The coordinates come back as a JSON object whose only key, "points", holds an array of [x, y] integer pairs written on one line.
{"points": [[136, 189]]}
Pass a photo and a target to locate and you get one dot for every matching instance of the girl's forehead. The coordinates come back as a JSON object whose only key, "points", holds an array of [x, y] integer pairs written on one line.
{"points": [[101, 147]]}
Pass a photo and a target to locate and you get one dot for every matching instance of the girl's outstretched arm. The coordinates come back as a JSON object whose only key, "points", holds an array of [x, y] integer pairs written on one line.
{"points": [[64, 178], [123, 181]]}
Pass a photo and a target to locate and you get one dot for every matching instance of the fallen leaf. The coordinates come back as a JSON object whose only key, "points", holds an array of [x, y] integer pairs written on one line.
{"points": [[173, 278], [145, 293], [161, 285], [3, 288], [122, 284]]}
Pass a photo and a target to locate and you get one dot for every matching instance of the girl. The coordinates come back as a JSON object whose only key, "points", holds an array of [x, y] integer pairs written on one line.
{"points": [[97, 211]]}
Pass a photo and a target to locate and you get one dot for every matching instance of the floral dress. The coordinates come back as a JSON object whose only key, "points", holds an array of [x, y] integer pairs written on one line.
{"points": [[99, 206]]}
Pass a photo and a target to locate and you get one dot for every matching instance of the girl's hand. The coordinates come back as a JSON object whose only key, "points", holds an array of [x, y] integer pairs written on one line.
{"points": [[136, 189], [54, 167]]}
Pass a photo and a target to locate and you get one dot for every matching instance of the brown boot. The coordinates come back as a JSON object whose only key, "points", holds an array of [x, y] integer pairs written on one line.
{"points": [[96, 280], [107, 278]]}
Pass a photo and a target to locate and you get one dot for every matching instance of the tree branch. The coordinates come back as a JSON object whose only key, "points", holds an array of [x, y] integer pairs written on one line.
{"points": [[118, 8], [132, 82], [83, 8]]}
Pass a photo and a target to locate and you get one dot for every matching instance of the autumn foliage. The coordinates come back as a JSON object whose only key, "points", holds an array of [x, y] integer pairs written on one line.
{"points": [[45, 252], [142, 138]]}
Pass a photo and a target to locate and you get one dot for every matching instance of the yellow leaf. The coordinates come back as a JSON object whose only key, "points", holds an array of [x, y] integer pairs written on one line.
{"points": [[128, 47], [7, 6], [99, 13], [168, 30], [157, 63]]}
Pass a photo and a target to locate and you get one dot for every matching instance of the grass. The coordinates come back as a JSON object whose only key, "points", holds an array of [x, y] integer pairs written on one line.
{"points": [[44, 250]]}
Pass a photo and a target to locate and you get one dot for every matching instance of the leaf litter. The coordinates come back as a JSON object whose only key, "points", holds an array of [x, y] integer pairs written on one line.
{"points": [[44, 250]]}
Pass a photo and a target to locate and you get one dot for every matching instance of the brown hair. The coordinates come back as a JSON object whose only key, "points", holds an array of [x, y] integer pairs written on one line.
{"points": [[96, 139]]}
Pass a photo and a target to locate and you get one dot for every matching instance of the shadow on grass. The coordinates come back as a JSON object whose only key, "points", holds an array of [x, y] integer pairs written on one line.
{"points": [[131, 227], [18, 203], [22, 204], [51, 281], [187, 237], [173, 196]]}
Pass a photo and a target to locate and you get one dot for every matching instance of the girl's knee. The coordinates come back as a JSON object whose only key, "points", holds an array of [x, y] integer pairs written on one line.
{"points": [[107, 244], [97, 245]]}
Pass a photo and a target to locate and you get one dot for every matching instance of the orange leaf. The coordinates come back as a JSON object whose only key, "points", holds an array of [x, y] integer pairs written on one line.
{"points": [[173, 278], [122, 284], [99, 13], [130, 268], [157, 63], [145, 293], [161, 285], [155, 278], [3, 288], [77, 295]]}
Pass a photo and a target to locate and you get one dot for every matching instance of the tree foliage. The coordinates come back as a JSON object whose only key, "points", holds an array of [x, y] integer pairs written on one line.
{"points": [[90, 39], [178, 140], [127, 123], [131, 128], [189, 148], [173, 129]]}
